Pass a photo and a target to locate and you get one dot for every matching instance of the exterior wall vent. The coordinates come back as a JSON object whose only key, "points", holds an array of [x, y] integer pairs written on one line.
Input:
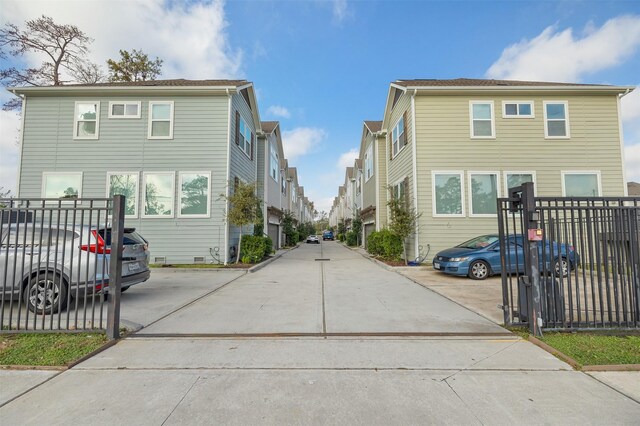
{"points": [[160, 259], [198, 259]]}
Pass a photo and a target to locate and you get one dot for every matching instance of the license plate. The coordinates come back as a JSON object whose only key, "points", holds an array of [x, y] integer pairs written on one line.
{"points": [[134, 267], [436, 266]]}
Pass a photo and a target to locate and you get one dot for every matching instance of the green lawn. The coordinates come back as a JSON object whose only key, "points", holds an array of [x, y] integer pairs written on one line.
{"points": [[55, 349], [596, 348]]}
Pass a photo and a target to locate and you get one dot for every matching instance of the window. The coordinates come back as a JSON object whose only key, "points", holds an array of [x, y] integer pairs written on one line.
{"points": [[581, 184], [62, 185], [124, 183], [86, 121], [368, 163], [194, 194], [483, 190], [482, 125], [244, 137], [447, 194], [274, 161], [358, 186], [124, 109], [400, 191], [157, 197], [283, 185], [161, 120], [398, 137], [513, 179], [517, 109], [556, 122]]}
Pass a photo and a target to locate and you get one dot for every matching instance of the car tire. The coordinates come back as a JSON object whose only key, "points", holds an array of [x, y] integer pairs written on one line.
{"points": [[561, 267], [479, 270], [46, 293], [125, 288]]}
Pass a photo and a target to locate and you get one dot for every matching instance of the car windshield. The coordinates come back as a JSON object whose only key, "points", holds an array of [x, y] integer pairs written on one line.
{"points": [[479, 242]]}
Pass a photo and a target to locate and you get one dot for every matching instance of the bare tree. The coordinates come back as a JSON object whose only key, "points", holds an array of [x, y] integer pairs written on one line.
{"points": [[64, 46]]}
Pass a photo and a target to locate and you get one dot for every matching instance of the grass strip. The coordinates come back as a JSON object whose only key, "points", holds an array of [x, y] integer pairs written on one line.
{"points": [[596, 348], [50, 349]]}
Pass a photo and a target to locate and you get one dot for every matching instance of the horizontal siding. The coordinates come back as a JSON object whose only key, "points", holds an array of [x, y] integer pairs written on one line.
{"points": [[444, 144], [199, 144], [381, 182], [369, 187]]}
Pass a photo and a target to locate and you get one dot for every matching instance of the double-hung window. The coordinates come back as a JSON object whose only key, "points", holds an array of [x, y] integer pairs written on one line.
{"points": [[483, 193], [124, 183], [195, 188], [447, 193], [86, 123], [368, 163], [400, 191], [482, 123], [244, 137], [158, 194], [513, 179], [62, 185], [160, 120], [283, 185], [274, 161], [581, 184], [124, 109], [556, 119], [398, 137], [517, 109]]}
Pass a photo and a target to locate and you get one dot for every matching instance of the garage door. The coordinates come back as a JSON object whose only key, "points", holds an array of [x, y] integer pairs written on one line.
{"points": [[273, 233], [368, 229]]}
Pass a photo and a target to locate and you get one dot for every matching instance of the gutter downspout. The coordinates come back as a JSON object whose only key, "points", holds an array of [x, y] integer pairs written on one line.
{"points": [[265, 191], [415, 169], [228, 191]]}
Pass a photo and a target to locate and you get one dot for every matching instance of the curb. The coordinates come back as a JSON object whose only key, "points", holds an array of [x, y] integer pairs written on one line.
{"points": [[271, 259]]}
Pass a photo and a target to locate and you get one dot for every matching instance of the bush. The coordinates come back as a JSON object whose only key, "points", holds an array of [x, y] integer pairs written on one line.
{"points": [[340, 237], [252, 249], [352, 238], [374, 243], [386, 244], [268, 245]]}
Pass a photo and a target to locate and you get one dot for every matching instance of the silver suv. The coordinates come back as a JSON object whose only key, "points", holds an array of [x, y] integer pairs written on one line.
{"points": [[48, 266]]}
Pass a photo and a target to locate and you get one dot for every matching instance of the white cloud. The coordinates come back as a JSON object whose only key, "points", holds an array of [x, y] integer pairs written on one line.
{"points": [[301, 140], [190, 37], [10, 125], [347, 158], [278, 111], [560, 56], [632, 160], [340, 10], [631, 126]]}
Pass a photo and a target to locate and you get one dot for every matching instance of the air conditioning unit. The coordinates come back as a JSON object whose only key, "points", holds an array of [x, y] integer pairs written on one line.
{"points": [[199, 259], [160, 259]]}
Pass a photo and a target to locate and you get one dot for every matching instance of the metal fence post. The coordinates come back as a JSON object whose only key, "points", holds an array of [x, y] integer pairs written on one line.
{"points": [[532, 267], [115, 268]]}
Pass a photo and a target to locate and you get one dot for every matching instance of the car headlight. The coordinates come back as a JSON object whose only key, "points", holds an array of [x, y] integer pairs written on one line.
{"points": [[458, 259]]}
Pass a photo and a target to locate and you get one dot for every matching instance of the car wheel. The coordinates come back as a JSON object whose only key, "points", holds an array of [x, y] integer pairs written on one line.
{"points": [[561, 267], [479, 270], [125, 288], [47, 294]]}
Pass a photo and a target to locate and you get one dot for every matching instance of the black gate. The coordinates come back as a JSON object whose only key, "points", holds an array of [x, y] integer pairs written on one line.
{"points": [[569, 262]]}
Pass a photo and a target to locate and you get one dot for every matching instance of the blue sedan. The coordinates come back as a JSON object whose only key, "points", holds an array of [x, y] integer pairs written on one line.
{"points": [[479, 257]]}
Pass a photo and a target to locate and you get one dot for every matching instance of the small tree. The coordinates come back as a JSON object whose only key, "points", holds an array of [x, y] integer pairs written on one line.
{"points": [[134, 66], [243, 209], [403, 219], [356, 227], [287, 227]]}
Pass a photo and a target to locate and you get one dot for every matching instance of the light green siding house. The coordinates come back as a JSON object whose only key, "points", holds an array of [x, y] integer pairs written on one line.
{"points": [[457, 145], [171, 146]]}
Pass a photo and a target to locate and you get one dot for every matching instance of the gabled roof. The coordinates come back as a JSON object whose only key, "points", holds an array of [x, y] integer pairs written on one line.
{"points": [[349, 174], [633, 189], [469, 82], [358, 164], [373, 126], [269, 126]]}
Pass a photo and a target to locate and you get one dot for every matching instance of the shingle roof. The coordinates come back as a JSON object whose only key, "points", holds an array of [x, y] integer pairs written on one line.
{"points": [[633, 188], [470, 82], [374, 126], [359, 163], [166, 83], [269, 126]]}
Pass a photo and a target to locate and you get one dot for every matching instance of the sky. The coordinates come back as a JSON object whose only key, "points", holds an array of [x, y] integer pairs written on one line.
{"points": [[322, 67]]}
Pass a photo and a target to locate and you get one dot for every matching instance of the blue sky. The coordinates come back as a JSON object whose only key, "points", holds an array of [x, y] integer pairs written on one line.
{"points": [[322, 67]]}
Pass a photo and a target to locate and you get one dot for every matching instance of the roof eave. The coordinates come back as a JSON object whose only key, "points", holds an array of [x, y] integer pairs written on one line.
{"points": [[611, 89], [51, 90]]}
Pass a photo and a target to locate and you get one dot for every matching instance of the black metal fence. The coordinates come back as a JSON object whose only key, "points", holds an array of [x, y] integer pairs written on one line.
{"points": [[57, 273], [570, 262]]}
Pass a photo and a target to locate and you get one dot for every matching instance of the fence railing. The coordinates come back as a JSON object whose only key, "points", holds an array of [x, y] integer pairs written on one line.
{"points": [[56, 271], [587, 271]]}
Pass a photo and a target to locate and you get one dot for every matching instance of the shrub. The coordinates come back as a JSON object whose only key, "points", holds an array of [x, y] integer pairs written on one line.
{"points": [[253, 249], [268, 245], [386, 244], [374, 243], [352, 238], [340, 237]]}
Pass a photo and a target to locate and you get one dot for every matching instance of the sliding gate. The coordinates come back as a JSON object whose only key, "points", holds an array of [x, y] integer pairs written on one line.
{"points": [[570, 262]]}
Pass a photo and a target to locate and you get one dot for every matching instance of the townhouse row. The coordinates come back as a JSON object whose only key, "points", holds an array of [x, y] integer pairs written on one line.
{"points": [[172, 147], [450, 148]]}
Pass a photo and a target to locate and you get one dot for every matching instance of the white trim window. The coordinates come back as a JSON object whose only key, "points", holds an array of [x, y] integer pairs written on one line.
{"points": [[245, 137], [283, 185], [556, 119], [581, 183], [274, 161], [86, 120], [63, 185], [400, 190], [517, 178], [195, 190], [482, 122], [517, 109], [368, 163], [127, 184], [158, 190], [448, 199], [118, 109], [160, 120], [484, 190], [398, 137]]}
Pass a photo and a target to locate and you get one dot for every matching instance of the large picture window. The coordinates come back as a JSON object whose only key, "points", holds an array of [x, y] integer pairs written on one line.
{"points": [[483, 190], [161, 120], [556, 119], [513, 179], [447, 194], [482, 124], [86, 123], [124, 183], [62, 185], [158, 194], [581, 184], [195, 188]]}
